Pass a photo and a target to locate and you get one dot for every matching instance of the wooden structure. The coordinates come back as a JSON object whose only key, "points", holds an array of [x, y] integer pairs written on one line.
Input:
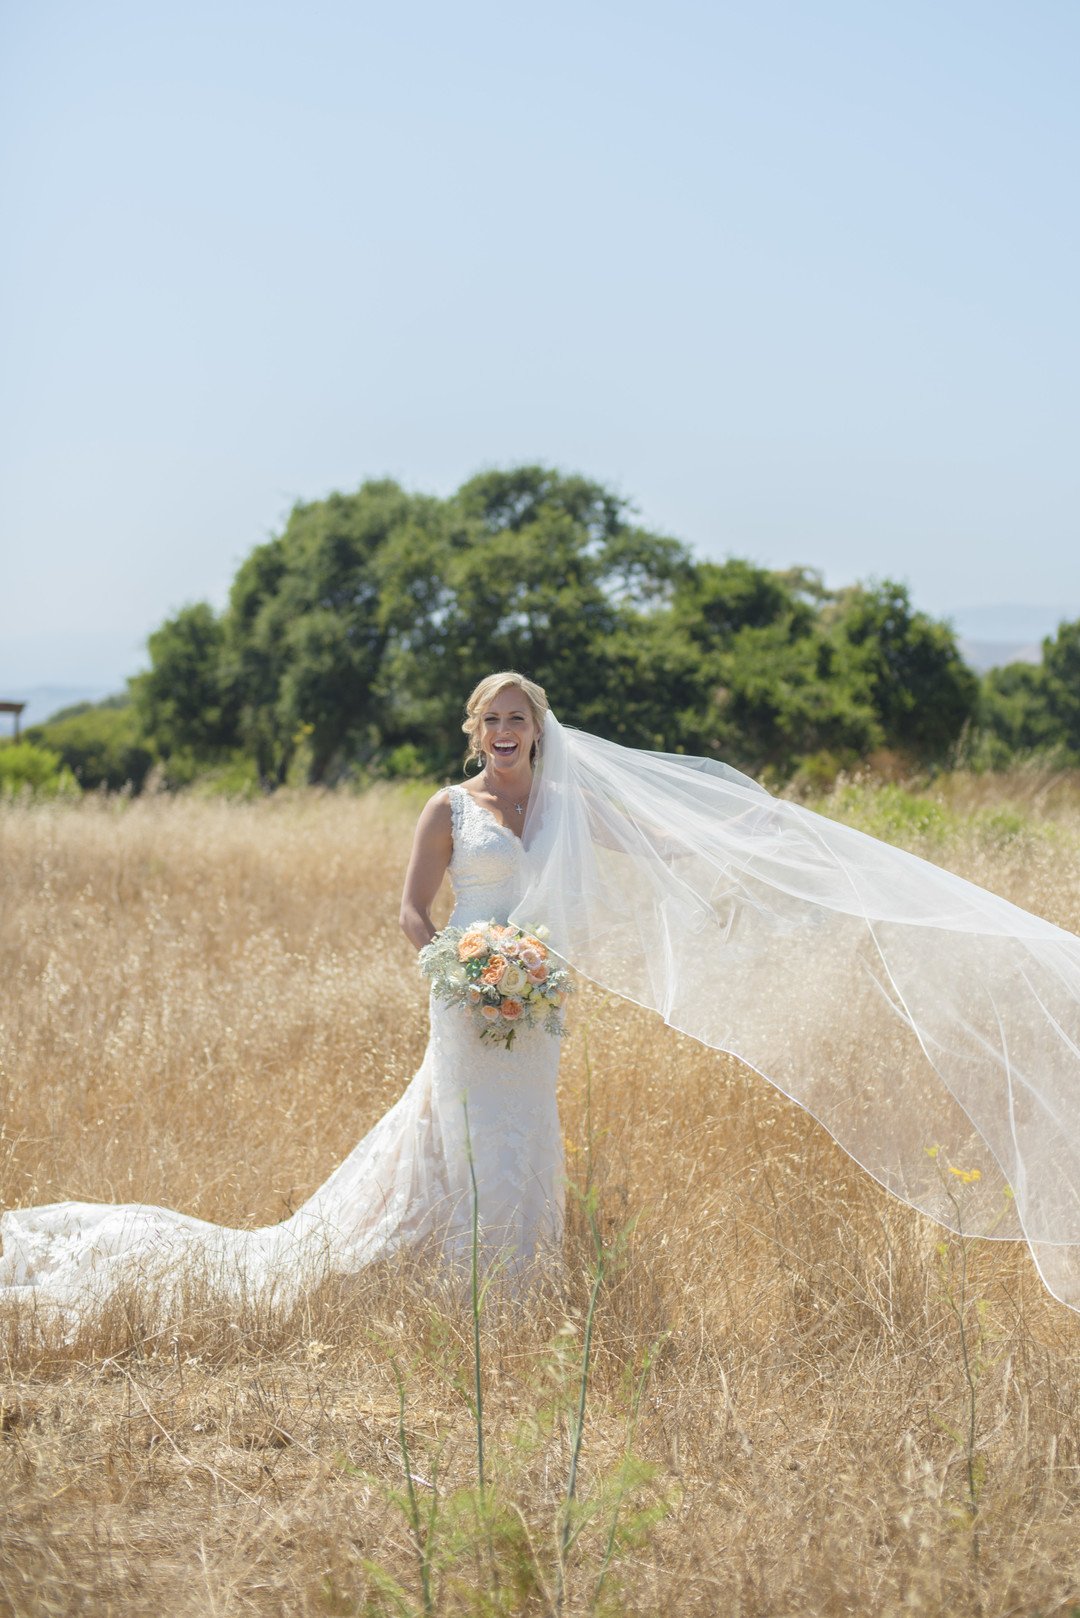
{"points": [[16, 708]]}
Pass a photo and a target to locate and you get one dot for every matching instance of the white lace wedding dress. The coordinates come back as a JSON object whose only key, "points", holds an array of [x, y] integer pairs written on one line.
{"points": [[408, 1182]]}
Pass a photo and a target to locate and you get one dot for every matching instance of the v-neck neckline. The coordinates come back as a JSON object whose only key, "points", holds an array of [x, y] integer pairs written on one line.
{"points": [[509, 830]]}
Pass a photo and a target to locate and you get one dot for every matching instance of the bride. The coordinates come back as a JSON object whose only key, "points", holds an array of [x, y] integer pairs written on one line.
{"points": [[472, 1109], [931, 1026]]}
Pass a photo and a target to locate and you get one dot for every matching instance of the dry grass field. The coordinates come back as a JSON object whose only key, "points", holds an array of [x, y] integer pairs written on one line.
{"points": [[206, 1004]]}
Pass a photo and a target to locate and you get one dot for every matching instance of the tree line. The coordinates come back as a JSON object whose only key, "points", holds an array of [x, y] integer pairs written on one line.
{"points": [[350, 640]]}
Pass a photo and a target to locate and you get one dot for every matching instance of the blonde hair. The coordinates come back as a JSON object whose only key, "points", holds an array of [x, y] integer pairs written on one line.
{"points": [[486, 692]]}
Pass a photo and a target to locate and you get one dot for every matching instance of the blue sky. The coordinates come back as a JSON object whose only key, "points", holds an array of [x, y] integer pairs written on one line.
{"points": [[798, 279]]}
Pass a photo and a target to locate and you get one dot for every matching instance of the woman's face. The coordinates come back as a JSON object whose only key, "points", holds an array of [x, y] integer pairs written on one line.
{"points": [[507, 731]]}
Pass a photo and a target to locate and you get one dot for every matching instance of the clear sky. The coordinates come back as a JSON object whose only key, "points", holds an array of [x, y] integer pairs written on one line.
{"points": [[797, 276]]}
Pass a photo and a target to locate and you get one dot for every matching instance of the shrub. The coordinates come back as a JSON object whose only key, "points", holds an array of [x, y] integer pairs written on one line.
{"points": [[102, 746], [405, 762], [237, 777], [37, 771]]}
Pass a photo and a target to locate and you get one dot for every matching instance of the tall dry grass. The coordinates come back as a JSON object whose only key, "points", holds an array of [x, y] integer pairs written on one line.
{"points": [[206, 1005]]}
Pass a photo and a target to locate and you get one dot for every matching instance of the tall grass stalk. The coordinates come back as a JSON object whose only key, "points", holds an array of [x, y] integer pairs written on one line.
{"points": [[956, 1299], [421, 1540], [586, 1355], [958, 1306], [475, 1301], [624, 1482], [578, 1429]]}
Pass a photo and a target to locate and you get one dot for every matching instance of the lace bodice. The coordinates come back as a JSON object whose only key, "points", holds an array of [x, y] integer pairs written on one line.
{"points": [[487, 867]]}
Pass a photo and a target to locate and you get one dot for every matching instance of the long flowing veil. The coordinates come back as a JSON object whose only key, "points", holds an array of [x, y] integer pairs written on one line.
{"points": [[931, 1026]]}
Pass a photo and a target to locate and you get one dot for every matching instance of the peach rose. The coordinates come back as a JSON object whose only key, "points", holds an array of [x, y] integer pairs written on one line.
{"points": [[471, 945], [475, 995], [493, 971], [512, 1009], [539, 973], [489, 1012]]}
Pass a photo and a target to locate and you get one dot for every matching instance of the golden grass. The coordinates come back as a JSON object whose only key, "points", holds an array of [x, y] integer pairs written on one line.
{"points": [[206, 1005]]}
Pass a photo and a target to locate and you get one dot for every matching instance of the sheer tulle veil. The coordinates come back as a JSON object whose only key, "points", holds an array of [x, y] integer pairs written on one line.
{"points": [[931, 1026]]}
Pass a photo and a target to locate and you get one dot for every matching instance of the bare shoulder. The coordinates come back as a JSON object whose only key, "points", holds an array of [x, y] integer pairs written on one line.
{"points": [[433, 837], [436, 812]]}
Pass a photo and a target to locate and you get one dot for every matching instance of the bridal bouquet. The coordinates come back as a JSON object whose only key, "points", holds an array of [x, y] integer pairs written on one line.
{"points": [[505, 976]]}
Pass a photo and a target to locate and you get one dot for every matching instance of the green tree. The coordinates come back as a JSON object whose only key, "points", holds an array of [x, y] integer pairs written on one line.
{"points": [[651, 691], [536, 571], [1061, 662], [307, 628], [715, 600], [353, 637], [253, 655], [922, 690], [102, 744], [183, 702], [779, 687], [789, 691], [1014, 711]]}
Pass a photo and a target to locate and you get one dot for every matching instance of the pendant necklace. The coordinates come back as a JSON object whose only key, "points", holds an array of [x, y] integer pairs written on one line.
{"points": [[520, 807]]}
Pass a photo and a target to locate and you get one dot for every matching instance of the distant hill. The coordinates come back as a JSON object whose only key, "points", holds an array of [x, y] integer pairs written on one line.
{"points": [[982, 655], [1011, 632], [1010, 623], [42, 701]]}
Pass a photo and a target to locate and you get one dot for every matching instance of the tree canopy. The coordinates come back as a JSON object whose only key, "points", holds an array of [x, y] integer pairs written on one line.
{"points": [[351, 639]]}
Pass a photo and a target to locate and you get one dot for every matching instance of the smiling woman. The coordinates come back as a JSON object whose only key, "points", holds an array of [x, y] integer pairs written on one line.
{"points": [[477, 1125], [931, 1026], [504, 725]]}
